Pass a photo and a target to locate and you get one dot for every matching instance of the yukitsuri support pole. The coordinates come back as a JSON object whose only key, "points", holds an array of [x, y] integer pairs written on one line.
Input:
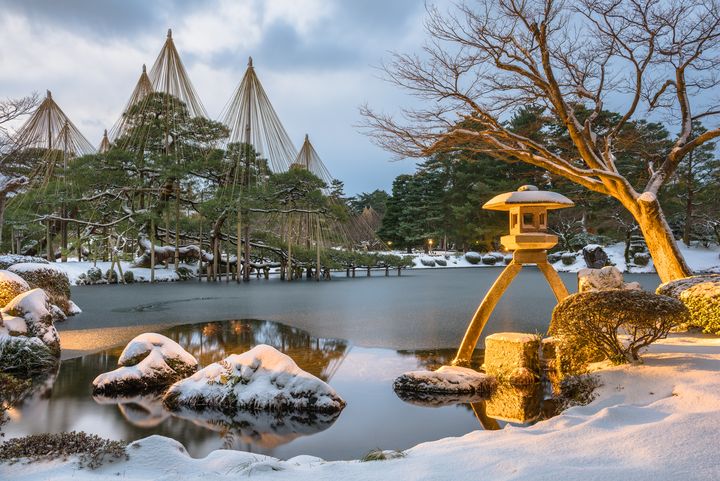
{"points": [[50, 253], [227, 264], [200, 260], [152, 250], [238, 265], [216, 250], [317, 244]]}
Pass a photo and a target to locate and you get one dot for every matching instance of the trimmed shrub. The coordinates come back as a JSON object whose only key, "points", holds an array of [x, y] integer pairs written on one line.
{"points": [[701, 295], [112, 276], [427, 261], [184, 273], [489, 260], [8, 260], [11, 285], [508, 259], [473, 258], [553, 257], [440, 261], [94, 275], [568, 258], [591, 323], [49, 278], [129, 276]]}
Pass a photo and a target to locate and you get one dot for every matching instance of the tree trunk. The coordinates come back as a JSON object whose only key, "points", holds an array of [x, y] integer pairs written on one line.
{"points": [[669, 261]]}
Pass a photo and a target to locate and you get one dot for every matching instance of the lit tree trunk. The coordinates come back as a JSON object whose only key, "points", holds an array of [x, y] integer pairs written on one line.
{"points": [[668, 260]]}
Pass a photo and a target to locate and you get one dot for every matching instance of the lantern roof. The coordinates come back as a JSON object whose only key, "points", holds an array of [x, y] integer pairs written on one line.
{"points": [[528, 195]]}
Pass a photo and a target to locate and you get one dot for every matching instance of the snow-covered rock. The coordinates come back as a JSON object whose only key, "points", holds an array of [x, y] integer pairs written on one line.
{"points": [[148, 363], [38, 313], [609, 277], [261, 379], [594, 256], [48, 277], [701, 295], [447, 380], [11, 285]]}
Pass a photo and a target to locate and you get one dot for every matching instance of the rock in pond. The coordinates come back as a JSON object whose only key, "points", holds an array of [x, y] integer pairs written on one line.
{"points": [[447, 380], [149, 363], [261, 379]]}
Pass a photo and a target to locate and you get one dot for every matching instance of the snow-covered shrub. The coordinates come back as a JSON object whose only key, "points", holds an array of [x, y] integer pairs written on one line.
{"points": [[184, 273], [427, 261], [129, 276], [8, 260], [94, 275], [148, 363], [440, 261], [31, 314], [11, 285], [489, 259], [111, 276], [641, 258], [701, 295], [508, 259], [26, 357], [592, 322], [48, 277], [568, 258], [261, 379], [91, 450], [473, 257]]}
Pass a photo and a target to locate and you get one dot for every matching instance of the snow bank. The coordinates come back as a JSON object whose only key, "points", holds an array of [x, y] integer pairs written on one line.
{"points": [[261, 379], [149, 362]]}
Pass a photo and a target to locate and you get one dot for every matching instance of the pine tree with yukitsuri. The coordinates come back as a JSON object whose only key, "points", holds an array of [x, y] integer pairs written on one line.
{"points": [[335, 240]]}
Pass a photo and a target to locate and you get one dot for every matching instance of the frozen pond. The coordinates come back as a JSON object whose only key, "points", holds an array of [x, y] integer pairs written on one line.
{"points": [[422, 309]]}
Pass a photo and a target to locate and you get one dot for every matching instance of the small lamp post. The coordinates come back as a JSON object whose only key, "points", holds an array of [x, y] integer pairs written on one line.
{"points": [[529, 240], [430, 244]]}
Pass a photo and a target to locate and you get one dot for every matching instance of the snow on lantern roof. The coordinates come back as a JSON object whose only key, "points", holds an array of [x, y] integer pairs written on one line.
{"points": [[528, 195]]}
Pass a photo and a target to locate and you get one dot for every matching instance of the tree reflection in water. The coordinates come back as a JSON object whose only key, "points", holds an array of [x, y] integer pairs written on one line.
{"points": [[213, 341]]}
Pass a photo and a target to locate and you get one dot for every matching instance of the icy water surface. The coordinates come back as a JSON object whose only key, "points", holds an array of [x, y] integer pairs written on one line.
{"points": [[374, 417]]}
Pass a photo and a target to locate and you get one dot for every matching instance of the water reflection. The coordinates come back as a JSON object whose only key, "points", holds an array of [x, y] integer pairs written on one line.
{"points": [[374, 416]]}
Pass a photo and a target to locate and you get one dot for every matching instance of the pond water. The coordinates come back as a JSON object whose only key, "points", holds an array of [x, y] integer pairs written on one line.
{"points": [[375, 417]]}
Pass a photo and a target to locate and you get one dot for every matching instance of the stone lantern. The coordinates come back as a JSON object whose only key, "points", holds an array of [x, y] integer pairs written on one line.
{"points": [[529, 239]]}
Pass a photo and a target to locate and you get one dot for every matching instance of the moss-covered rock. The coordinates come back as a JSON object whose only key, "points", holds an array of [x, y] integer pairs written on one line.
{"points": [[590, 323], [11, 285], [701, 295], [51, 279]]}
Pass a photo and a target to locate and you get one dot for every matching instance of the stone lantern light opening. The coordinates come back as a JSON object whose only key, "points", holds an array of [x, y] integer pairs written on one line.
{"points": [[529, 240]]}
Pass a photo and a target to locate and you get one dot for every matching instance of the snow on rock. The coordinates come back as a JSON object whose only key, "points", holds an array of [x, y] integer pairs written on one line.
{"points": [[11, 285], [460, 384], [609, 277], [594, 256], [35, 309], [261, 379], [148, 363]]}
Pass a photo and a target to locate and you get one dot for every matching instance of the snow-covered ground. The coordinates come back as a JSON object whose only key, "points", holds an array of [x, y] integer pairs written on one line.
{"points": [[658, 421], [699, 258]]}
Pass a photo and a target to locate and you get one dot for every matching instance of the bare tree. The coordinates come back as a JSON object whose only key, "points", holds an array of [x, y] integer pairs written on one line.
{"points": [[485, 60]]}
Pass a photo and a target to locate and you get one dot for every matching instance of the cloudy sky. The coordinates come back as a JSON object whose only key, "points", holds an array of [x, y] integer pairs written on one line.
{"points": [[316, 59]]}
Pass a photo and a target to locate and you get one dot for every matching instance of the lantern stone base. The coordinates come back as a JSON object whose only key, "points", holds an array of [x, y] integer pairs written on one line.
{"points": [[513, 357]]}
